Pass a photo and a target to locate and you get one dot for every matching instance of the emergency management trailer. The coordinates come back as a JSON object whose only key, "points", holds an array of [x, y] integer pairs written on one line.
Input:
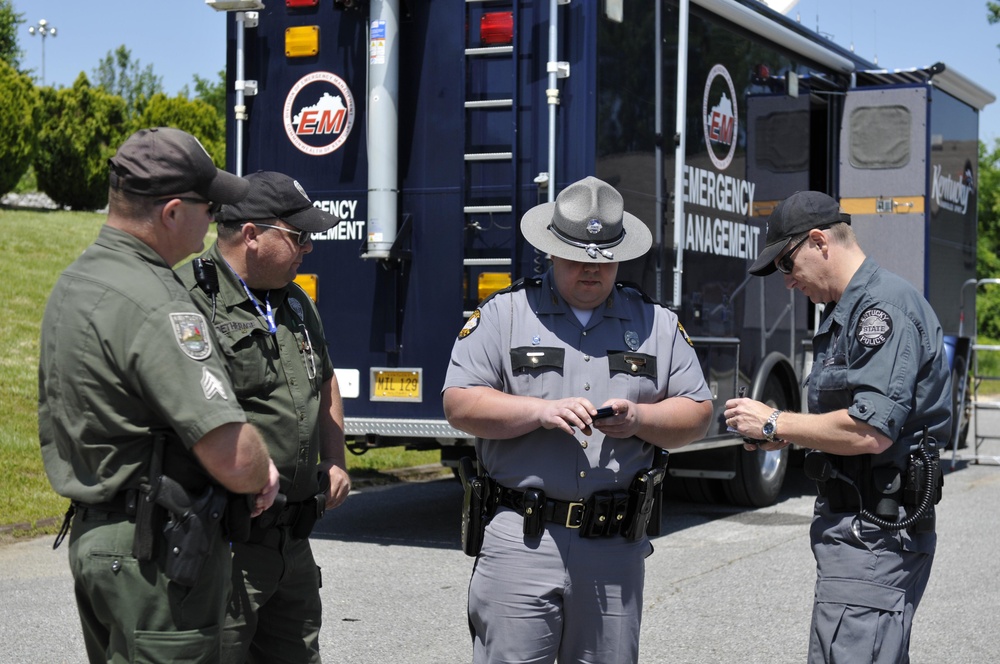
{"points": [[429, 128]]}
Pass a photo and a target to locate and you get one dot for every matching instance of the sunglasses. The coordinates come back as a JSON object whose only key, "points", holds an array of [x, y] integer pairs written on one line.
{"points": [[213, 208], [786, 262], [301, 236]]}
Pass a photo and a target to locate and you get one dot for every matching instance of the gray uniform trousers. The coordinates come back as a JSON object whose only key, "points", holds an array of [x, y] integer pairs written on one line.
{"points": [[867, 590], [532, 599]]}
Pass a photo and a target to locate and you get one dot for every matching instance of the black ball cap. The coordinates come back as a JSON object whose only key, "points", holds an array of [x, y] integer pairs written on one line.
{"points": [[164, 161], [800, 212], [275, 195]]}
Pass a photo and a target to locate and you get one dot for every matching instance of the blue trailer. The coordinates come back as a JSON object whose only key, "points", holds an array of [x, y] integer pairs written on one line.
{"points": [[429, 128]]}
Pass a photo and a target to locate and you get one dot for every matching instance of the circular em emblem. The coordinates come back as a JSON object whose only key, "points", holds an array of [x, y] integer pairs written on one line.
{"points": [[319, 113], [874, 328], [719, 116]]}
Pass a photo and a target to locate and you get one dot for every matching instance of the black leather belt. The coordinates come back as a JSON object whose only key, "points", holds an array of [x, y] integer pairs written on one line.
{"points": [[123, 504], [565, 513]]}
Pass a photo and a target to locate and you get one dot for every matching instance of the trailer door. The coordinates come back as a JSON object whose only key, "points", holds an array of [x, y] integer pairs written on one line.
{"points": [[883, 176]]}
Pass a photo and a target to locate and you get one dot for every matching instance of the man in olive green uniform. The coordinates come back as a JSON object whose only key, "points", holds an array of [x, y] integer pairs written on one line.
{"points": [[271, 333], [125, 354]]}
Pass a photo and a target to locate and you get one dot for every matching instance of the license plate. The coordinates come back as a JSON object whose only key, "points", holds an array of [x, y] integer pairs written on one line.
{"points": [[396, 385]]}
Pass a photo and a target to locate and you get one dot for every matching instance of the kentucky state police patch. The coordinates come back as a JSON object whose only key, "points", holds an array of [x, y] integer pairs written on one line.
{"points": [[190, 333], [470, 325], [874, 328]]}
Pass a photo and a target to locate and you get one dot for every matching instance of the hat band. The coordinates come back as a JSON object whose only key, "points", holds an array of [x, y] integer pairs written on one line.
{"points": [[592, 248]]}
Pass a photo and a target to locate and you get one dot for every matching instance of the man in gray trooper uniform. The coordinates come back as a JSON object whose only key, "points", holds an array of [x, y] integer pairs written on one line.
{"points": [[526, 376], [132, 386], [879, 378]]}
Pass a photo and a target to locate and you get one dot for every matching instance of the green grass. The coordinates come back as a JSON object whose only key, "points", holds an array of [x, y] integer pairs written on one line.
{"points": [[36, 247]]}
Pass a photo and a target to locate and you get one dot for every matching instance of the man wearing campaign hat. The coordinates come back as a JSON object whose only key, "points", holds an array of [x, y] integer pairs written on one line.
{"points": [[134, 399], [284, 380], [879, 409], [560, 569]]}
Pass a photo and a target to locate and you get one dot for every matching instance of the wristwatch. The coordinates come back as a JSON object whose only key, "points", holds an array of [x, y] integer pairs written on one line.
{"points": [[770, 427]]}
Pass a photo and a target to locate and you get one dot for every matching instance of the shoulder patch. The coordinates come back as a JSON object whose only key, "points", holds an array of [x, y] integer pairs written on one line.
{"points": [[680, 328], [190, 333], [874, 328], [297, 308], [470, 325]]}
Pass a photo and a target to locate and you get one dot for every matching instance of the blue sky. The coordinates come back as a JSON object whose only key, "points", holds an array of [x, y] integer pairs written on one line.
{"points": [[181, 38]]}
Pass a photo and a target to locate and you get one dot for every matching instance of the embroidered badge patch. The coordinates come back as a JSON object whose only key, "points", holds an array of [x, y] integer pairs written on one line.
{"points": [[470, 325], [297, 308], [680, 328], [874, 328], [190, 333]]}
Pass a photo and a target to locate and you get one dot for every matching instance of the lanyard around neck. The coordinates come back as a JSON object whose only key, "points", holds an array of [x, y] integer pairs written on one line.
{"points": [[267, 313]]}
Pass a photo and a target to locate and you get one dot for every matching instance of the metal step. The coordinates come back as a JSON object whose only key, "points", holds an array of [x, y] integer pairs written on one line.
{"points": [[490, 50], [479, 262], [488, 156], [487, 209], [490, 103]]}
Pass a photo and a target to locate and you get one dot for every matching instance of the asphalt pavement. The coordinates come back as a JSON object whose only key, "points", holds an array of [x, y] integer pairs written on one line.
{"points": [[724, 584]]}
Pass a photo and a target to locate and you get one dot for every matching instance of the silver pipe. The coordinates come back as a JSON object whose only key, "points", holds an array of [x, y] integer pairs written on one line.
{"points": [[383, 129], [680, 149], [552, 94]]}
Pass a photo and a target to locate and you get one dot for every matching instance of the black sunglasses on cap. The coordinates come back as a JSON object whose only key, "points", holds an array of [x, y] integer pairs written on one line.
{"points": [[213, 208]]}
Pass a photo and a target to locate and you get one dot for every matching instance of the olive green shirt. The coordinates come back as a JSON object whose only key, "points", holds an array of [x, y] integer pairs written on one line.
{"points": [[124, 351], [278, 377]]}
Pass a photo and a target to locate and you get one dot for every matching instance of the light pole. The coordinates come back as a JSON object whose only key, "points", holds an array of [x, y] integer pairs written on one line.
{"points": [[43, 29]]}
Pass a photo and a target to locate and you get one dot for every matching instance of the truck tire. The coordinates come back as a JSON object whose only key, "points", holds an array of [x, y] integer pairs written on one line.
{"points": [[760, 474]]}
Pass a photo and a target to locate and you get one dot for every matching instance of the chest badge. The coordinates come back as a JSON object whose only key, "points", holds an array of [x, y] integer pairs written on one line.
{"points": [[297, 308], [632, 339]]}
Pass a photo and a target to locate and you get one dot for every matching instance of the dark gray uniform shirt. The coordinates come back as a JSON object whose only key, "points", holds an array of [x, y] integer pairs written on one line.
{"points": [[529, 342], [123, 351], [880, 354]]}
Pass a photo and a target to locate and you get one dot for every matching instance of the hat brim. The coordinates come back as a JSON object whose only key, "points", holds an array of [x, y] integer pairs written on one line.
{"points": [[535, 228], [764, 265], [312, 219], [225, 188]]}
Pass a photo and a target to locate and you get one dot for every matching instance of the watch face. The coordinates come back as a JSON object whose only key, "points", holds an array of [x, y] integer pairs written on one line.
{"points": [[769, 428]]}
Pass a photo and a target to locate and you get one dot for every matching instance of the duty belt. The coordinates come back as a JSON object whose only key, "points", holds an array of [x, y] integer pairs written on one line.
{"points": [[566, 513], [123, 504]]}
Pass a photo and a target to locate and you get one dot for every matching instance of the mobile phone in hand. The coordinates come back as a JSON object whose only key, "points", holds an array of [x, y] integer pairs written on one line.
{"points": [[607, 411]]}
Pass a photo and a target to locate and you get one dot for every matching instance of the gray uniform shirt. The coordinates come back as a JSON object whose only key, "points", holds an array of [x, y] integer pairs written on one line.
{"points": [[529, 342], [124, 351]]}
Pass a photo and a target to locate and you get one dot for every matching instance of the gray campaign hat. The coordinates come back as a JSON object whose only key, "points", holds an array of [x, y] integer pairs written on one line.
{"points": [[164, 161], [587, 221], [800, 212], [278, 196]]}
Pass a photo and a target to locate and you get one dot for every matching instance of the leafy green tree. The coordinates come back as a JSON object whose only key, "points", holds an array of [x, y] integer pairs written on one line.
{"points": [[988, 264], [120, 75], [10, 51], [193, 116], [17, 125], [80, 128], [211, 92]]}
